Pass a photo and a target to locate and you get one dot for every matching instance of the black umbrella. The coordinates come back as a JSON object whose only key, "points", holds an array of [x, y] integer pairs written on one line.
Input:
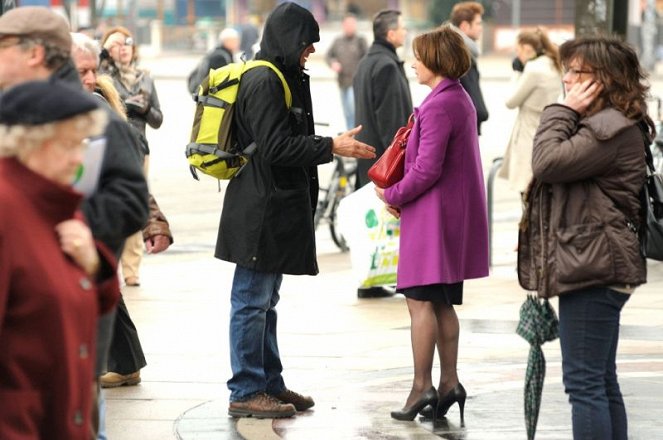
{"points": [[538, 324]]}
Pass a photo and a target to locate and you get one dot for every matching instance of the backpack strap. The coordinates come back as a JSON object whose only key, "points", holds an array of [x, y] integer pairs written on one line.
{"points": [[262, 63]]}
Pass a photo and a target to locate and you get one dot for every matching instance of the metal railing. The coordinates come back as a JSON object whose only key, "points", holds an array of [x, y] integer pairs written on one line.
{"points": [[497, 163]]}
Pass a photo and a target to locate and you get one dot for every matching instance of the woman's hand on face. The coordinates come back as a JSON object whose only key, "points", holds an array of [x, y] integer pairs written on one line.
{"points": [[582, 94], [76, 241]]}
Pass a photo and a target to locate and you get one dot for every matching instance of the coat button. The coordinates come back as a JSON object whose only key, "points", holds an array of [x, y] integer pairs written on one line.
{"points": [[82, 351], [78, 418], [85, 284]]}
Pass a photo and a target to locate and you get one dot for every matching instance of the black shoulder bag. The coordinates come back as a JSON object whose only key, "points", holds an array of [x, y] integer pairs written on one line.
{"points": [[651, 203]]}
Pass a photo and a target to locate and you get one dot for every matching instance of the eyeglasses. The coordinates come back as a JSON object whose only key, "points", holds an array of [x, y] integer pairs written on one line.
{"points": [[72, 146], [128, 42], [577, 72]]}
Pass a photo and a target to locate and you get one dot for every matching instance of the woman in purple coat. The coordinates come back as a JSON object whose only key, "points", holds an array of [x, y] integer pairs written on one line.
{"points": [[444, 228]]}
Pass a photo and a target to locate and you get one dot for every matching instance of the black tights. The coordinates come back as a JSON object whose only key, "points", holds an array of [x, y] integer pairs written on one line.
{"points": [[431, 324]]}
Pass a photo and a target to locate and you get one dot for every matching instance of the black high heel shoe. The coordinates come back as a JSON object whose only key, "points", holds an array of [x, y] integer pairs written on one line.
{"points": [[428, 398], [456, 394]]}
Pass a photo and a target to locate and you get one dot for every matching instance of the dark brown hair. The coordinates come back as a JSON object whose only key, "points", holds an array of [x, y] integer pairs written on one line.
{"points": [[615, 65], [443, 52], [383, 22], [538, 39], [465, 11]]}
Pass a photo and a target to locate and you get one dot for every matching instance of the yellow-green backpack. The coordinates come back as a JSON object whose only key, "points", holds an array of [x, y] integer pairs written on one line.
{"points": [[213, 149]]}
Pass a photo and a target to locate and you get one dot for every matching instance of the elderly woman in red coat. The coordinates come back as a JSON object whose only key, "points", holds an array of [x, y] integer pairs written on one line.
{"points": [[444, 229], [54, 280]]}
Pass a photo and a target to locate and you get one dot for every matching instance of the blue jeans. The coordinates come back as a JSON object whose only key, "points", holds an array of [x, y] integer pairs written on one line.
{"points": [[101, 435], [348, 104], [254, 352], [588, 335]]}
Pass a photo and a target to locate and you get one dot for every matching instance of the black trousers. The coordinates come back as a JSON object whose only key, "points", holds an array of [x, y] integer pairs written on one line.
{"points": [[126, 354]]}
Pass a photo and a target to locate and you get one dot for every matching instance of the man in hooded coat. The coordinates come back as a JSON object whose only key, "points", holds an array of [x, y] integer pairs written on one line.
{"points": [[266, 224]]}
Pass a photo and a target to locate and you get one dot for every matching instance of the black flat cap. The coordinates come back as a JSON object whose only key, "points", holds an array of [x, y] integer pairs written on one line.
{"points": [[41, 102]]}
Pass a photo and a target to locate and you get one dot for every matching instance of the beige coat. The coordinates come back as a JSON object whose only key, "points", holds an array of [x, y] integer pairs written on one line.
{"points": [[539, 85]]}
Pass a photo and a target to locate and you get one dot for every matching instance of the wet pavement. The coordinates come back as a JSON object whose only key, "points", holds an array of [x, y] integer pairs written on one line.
{"points": [[352, 355]]}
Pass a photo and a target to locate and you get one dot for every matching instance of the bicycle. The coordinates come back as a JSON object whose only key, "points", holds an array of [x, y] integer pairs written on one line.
{"points": [[341, 184]]}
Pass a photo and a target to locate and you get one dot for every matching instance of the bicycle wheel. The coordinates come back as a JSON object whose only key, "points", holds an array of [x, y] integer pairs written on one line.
{"points": [[338, 239]]}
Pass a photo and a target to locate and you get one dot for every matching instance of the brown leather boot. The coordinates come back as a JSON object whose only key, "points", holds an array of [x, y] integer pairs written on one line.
{"points": [[302, 403], [261, 406]]}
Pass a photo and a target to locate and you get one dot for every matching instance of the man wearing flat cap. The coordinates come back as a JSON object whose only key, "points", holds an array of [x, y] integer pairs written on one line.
{"points": [[35, 44]]}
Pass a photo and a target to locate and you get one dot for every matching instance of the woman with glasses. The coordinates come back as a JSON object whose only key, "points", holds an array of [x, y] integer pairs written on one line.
{"points": [[539, 84], [578, 234], [119, 60], [55, 280]]}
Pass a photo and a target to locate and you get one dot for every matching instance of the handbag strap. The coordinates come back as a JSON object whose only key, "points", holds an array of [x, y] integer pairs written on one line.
{"points": [[649, 158]]}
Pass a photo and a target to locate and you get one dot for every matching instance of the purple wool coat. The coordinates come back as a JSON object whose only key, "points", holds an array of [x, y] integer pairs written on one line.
{"points": [[444, 223]]}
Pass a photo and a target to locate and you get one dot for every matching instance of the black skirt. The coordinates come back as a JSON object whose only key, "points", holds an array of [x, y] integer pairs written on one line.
{"points": [[449, 294]]}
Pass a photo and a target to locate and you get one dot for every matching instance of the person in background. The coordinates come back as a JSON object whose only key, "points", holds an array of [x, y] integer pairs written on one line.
{"points": [[156, 233], [441, 203], [383, 101], [55, 280], [539, 85], [343, 57], [249, 36], [221, 55], [119, 60], [266, 227], [579, 231], [467, 18]]}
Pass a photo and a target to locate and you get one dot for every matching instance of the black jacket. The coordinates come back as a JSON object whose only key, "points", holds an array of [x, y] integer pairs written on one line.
{"points": [[218, 57], [118, 208], [383, 101], [470, 82], [267, 218]]}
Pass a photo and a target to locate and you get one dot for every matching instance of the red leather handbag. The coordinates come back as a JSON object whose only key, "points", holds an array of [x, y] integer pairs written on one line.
{"points": [[389, 167]]}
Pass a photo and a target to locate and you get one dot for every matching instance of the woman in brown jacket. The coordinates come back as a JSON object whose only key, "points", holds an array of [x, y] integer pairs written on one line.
{"points": [[578, 236]]}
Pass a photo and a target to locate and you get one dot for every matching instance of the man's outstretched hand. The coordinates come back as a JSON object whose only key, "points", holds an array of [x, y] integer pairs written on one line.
{"points": [[346, 145]]}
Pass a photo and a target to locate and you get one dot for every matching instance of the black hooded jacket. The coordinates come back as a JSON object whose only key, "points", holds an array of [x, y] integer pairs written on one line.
{"points": [[267, 219]]}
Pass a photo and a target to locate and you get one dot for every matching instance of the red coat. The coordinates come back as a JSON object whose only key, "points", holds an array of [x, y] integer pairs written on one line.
{"points": [[48, 313]]}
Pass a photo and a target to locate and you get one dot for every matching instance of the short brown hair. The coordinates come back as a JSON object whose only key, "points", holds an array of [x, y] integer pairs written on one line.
{"points": [[443, 52], [465, 11]]}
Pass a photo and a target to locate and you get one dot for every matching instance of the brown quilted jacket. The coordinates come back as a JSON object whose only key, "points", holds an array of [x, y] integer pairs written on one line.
{"points": [[582, 208]]}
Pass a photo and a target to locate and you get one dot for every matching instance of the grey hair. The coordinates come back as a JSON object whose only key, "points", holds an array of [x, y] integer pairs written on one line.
{"points": [[81, 43], [20, 138], [227, 34], [54, 56]]}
